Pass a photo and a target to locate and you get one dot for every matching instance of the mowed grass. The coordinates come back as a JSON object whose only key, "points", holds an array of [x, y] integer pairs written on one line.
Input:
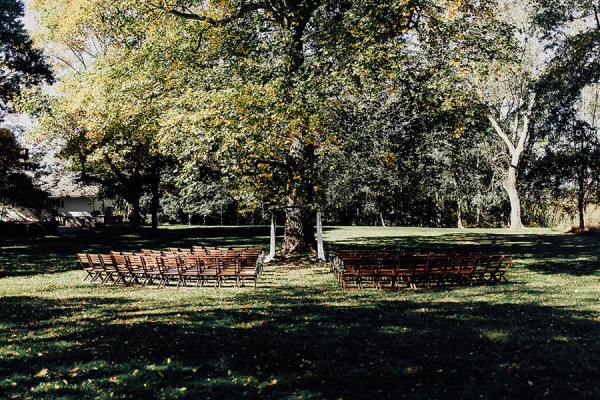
{"points": [[298, 335]]}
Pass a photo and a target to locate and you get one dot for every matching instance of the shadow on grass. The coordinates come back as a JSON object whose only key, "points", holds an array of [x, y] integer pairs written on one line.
{"points": [[26, 257], [566, 254], [303, 348]]}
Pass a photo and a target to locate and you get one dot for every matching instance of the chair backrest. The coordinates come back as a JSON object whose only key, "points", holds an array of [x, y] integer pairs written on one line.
{"points": [[190, 260], [134, 262], [107, 262], [230, 262], [505, 263], [248, 261], [169, 263], [119, 261], [84, 262], [352, 263], [150, 264], [454, 263], [94, 260], [438, 263], [419, 264], [492, 263]]}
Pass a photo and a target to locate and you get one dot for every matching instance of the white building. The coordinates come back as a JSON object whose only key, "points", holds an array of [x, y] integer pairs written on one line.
{"points": [[78, 205]]}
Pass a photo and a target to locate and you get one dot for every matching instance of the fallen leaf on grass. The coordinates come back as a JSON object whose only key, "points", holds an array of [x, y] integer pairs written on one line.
{"points": [[43, 372]]}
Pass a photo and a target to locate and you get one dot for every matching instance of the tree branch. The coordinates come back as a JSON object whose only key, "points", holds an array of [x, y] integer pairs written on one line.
{"points": [[500, 132], [244, 9], [526, 120], [273, 163]]}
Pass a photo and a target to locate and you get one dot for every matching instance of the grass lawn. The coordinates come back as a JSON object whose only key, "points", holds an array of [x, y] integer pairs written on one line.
{"points": [[298, 335]]}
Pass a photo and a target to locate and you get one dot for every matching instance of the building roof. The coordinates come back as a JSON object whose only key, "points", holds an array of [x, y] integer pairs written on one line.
{"points": [[66, 186]]}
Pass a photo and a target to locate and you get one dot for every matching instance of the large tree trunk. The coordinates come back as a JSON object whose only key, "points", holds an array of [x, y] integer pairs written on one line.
{"points": [[299, 235], [134, 215], [510, 185]]}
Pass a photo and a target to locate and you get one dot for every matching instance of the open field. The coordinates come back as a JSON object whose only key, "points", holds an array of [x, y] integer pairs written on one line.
{"points": [[298, 335]]}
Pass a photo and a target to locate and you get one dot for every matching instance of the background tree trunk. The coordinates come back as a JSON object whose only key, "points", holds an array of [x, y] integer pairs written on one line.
{"points": [[581, 202], [155, 202], [459, 221], [510, 185]]}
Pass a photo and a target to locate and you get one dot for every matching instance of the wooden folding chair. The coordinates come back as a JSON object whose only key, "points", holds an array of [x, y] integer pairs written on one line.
{"points": [[388, 271], [351, 272], [230, 268], [211, 269], [369, 270], [419, 270], [486, 269], [438, 263], [170, 269], [151, 267], [136, 268], [452, 274], [467, 268], [191, 268], [110, 268], [87, 267], [500, 273], [94, 261], [120, 264], [249, 268], [404, 270]]}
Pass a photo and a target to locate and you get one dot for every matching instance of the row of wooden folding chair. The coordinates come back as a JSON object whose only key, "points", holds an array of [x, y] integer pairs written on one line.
{"points": [[182, 268], [421, 270]]}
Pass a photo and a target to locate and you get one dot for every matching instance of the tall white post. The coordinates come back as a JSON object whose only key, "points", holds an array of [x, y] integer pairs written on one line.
{"points": [[272, 249], [320, 249]]}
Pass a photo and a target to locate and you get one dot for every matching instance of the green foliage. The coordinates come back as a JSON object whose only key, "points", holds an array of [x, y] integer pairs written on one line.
{"points": [[16, 185], [21, 64], [373, 110]]}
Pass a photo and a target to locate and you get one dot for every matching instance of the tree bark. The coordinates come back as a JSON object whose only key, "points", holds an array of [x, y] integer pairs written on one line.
{"points": [[581, 201], [510, 185], [134, 213], [459, 222], [299, 235], [155, 202]]}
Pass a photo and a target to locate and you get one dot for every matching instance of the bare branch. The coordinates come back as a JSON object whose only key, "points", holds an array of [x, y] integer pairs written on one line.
{"points": [[500, 132], [66, 62]]}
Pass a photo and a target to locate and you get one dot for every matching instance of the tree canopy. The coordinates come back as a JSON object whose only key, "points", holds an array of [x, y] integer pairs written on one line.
{"points": [[404, 112]]}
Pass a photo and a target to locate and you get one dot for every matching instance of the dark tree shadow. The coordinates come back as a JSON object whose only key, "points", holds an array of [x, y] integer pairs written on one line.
{"points": [[300, 347], [26, 257]]}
